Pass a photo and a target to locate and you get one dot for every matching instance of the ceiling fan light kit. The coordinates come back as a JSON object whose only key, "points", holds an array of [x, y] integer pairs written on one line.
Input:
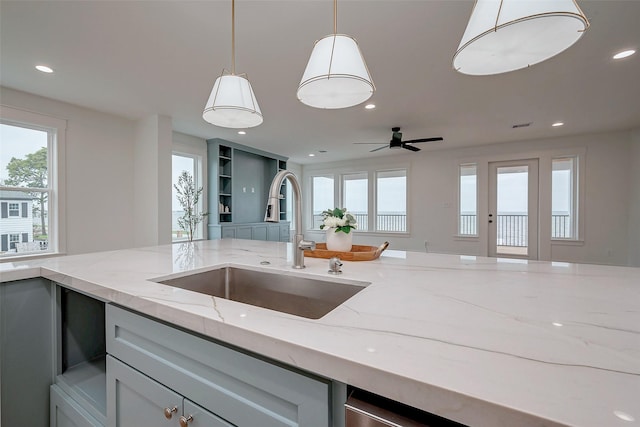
{"points": [[336, 75], [507, 35], [232, 103]]}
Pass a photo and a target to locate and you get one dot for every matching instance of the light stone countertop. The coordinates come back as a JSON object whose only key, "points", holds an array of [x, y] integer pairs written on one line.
{"points": [[483, 341]]}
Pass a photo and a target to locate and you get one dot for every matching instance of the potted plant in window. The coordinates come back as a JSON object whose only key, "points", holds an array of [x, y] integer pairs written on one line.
{"points": [[338, 223], [188, 196]]}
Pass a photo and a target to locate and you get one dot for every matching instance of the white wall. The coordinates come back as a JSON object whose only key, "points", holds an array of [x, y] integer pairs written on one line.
{"points": [[433, 196], [152, 181], [634, 201], [99, 173]]}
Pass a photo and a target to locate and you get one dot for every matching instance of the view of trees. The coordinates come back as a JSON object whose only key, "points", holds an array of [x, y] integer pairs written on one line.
{"points": [[31, 172]]}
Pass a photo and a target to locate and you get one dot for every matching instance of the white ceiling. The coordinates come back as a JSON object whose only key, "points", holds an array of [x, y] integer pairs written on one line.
{"points": [[138, 58]]}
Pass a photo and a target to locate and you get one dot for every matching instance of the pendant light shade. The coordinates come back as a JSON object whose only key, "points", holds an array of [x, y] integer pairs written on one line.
{"points": [[507, 35], [336, 75], [232, 103]]}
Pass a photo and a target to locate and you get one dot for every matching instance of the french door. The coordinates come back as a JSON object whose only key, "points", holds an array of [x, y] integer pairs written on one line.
{"points": [[513, 209]]}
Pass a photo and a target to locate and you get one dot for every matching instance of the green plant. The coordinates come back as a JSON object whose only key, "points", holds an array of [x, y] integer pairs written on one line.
{"points": [[339, 219], [189, 197]]}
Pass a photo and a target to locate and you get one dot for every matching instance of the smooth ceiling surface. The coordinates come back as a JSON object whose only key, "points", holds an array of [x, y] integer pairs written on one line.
{"points": [[139, 58]]}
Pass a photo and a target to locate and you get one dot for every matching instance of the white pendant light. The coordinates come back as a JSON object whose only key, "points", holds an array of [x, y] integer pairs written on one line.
{"points": [[232, 103], [336, 75], [507, 35]]}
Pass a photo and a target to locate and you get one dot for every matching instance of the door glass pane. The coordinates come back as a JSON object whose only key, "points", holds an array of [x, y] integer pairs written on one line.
{"points": [[355, 194], [513, 210], [391, 200], [178, 165], [562, 199], [322, 198], [468, 219]]}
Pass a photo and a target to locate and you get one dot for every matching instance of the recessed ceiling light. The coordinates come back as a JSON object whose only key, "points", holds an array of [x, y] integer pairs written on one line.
{"points": [[370, 106], [312, 155], [556, 124], [241, 132], [624, 54], [44, 69]]}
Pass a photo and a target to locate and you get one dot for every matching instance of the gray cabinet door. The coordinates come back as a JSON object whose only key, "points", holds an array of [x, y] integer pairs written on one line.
{"points": [[66, 412], [200, 417], [134, 399], [259, 232], [228, 232], [244, 233], [26, 347]]}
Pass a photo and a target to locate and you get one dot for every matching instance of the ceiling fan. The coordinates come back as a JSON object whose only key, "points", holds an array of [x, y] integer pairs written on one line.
{"points": [[397, 142]]}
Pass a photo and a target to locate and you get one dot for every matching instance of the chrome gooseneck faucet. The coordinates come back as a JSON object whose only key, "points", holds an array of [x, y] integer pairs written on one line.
{"points": [[273, 214]]}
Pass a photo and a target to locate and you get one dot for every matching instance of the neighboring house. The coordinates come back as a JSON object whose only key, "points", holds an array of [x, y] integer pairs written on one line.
{"points": [[16, 219]]}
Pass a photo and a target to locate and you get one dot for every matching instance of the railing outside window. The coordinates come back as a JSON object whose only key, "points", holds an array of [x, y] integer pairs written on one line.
{"points": [[385, 222], [512, 229]]}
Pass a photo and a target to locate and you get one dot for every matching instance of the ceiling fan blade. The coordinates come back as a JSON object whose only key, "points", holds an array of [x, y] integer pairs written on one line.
{"points": [[378, 149], [377, 143], [413, 141], [410, 147]]}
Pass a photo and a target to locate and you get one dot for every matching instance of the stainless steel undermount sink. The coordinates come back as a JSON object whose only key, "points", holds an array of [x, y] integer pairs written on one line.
{"points": [[293, 294]]}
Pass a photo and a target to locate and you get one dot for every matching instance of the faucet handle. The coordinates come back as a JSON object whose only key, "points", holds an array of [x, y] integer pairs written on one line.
{"points": [[334, 265], [305, 245]]}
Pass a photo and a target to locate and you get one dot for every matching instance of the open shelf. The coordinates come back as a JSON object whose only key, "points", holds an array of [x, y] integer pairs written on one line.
{"points": [[82, 351]]}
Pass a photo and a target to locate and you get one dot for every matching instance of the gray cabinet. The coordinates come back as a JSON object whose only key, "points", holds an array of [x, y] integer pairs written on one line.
{"points": [[66, 412], [273, 232], [26, 351], [228, 384], [137, 400]]}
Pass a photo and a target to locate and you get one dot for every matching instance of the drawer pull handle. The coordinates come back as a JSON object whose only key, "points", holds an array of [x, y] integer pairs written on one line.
{"points": [[184, 421], [168, 412]]}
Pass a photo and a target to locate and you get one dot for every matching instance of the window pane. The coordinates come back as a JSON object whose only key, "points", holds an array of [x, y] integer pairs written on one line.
{"points": [[355, 193], [178, 165], [25, 225], [468, 203], [24, 222], [322, 188], [563, 198], [23, 157], [391, 214]]}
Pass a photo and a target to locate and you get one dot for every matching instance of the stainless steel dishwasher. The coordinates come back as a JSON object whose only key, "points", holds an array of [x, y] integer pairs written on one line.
{"points": [[364, 409]]}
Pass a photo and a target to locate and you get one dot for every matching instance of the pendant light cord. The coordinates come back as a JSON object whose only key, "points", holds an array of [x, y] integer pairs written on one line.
{"points": [[335, 16], [233, 37]]}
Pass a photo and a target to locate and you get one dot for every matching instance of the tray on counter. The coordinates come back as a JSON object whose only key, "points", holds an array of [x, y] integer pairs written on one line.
{"points": [[357, 253]]}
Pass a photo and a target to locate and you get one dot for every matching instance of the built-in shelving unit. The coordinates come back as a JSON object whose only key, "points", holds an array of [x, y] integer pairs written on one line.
{"points": [[282, 165], [225, 173], [239, 181]]}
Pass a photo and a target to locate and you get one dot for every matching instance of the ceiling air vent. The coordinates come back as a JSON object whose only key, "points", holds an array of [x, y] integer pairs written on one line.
{"points": [[521, 125]]}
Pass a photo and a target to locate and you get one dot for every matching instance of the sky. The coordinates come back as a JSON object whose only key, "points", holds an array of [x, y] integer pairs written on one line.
{"points": [[18, 142]]}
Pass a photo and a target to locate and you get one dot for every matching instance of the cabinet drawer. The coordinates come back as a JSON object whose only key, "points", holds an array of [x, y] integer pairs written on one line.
{"points": [[242, 389]]}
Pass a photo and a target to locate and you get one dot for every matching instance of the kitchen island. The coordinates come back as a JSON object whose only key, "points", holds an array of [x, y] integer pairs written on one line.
{"points": [[482, 341]]}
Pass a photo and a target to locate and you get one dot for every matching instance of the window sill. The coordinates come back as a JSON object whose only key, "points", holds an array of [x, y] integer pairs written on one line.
{"points": [[370, 233], [468, 237], [567, 242], [28, 256]]}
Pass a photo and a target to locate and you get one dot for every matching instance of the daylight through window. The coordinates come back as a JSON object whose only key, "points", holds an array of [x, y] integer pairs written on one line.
{"points": [[468, 202], [26, 225]]}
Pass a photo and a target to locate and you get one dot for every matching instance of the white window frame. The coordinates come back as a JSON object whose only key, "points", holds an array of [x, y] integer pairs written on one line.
{"points": [[186, 146], [459, 205], [575, 198], [15, 210], [56, 155], [337, 174], [358, 175], [375, 204]]}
